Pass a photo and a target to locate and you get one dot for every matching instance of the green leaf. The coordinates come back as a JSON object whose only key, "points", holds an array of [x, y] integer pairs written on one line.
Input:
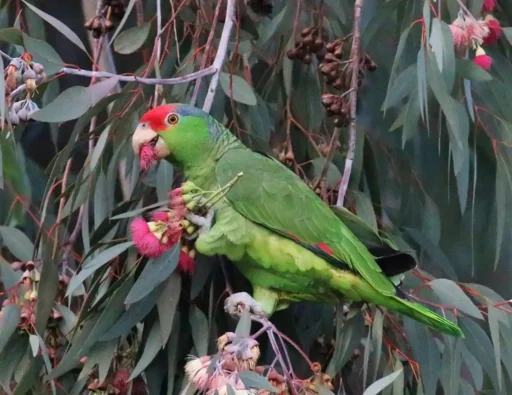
{"points": [[93, 264], [66, 31], [133, 315], [17, 243], [442, 46], [396, 62], [151, 348], [451, 366], [164, 178], [34, 344], [333, 175], [43, 53], [11, 35], [199, 329], [237, 89], [74, 102], [47, 292], [9, 321], [132, 39], [365, 210], [495, 336], [425, 352], [503, 177], [167, 305], [382, 383], [469, 70], [8, 276], [100, 146], [450, 293], [154, 273], [10, 358], [254, 380], [348, 337], [138, 211], [481, 347], [127, 12], [508, 33], [421, 73]]}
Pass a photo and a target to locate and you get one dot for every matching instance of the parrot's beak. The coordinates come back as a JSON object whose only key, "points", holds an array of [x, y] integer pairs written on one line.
{"points": [[145, 136]]}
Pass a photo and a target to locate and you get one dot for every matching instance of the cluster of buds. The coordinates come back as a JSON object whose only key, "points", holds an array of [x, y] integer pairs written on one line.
{"points": [[22, 111], [468, 32], [235, 354], [102, 23], [23, 70], [310, 43]]}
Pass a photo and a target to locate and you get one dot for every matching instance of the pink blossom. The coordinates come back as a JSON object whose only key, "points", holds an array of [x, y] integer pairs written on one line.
{"points": [[495, 30], [488, 6], [147, 157], [476, 31], [460, 38], [145, 241], [482, 60], [162, 216], [186, 263]]}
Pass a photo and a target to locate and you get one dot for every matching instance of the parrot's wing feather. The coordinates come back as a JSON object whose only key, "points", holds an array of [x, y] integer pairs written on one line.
{"points": [[271, 195]]}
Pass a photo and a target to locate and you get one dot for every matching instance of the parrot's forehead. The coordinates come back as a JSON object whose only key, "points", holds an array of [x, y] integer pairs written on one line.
{"points": [[156, 117]]}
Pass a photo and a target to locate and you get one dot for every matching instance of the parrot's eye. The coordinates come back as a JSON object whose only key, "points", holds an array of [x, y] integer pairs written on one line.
{"points": [[172, 119]]}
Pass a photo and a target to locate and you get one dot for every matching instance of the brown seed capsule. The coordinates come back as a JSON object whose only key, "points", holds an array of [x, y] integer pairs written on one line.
{"points": [[320, 54], [307, 59], [309, 40], [291, 53], [331, 46], [338, 122], [338, 53], [96, 24], [300, 53], [318, 44], [30, 265], [328, 99], [330, 58], [306, 32], [372, 66]]}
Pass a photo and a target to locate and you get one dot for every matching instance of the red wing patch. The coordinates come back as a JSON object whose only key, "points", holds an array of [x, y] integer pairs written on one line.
{"points": [[324, 247]]}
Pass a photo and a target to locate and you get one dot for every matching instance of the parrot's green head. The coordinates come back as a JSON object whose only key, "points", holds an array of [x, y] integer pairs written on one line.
{"points": [[179, 133]]}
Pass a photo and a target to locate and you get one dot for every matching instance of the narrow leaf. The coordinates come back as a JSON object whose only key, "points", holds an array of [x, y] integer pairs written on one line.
{"points": [[382, 383], [17, 243], [450, 293], [132, 39]]}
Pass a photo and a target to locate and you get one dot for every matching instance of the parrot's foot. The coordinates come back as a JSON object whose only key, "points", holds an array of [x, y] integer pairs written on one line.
{"points": [[203, 223], [240, 301]]}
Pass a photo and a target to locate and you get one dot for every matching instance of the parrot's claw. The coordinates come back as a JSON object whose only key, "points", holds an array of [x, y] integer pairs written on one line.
{"points": [[235, 304], [203, 223]]}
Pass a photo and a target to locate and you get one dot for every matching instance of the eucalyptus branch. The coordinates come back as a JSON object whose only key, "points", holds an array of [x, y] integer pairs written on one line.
{"points": [[129, 78], [221, 54], [354, 59], [206, 51]]}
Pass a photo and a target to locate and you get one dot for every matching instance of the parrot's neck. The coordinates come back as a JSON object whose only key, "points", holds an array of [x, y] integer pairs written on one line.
{"points": [[202, 171]]}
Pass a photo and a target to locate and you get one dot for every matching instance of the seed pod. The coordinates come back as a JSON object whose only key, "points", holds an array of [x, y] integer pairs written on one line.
{"points": [[96, 33], [307, 59], [96, 24], [330, 58], [330, 46], [29, 74], [319, 44], [338, 53], [108, 25], [300, 53], [307, 31], [320, 54], [30, 265], [309, 40], [291, 53], [372, 66], [327, 99]]}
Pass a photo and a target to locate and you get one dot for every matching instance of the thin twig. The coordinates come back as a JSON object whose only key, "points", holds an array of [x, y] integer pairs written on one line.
{"points": [[158, 43], [130, 78], [206, 51], [221, 54], [354, 59]]}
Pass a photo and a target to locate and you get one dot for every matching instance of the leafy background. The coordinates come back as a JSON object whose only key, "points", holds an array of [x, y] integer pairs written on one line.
{"points": [[432, 168]]}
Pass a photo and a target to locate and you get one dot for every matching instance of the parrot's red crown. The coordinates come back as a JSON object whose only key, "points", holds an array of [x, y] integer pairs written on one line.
{"points": [[156, 117]]}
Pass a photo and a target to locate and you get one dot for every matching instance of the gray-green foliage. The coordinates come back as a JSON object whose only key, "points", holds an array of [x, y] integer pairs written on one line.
{"points": [[432, 168]]}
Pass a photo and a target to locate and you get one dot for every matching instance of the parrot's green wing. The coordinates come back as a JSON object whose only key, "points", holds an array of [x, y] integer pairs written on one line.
{"points": [[271, 195]]}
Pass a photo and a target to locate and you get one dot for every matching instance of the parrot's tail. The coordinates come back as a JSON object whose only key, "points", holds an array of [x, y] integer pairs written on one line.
{"points": [[426, 316]]}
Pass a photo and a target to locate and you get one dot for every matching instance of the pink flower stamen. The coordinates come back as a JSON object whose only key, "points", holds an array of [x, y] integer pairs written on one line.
{"points": [[147, 157]]}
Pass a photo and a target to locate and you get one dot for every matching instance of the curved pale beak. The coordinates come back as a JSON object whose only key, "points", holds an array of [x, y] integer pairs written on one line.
{"points": [[144, 135]]}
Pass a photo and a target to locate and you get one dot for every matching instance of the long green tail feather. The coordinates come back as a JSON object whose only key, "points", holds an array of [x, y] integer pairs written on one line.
{"points": [[426, 316]]}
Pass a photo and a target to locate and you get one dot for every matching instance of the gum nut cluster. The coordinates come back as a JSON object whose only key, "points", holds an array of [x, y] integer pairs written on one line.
{"points": [[235, 357], [26, 294], [467, 32]]}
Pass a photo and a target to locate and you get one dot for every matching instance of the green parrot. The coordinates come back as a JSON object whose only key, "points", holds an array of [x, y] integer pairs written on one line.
{"points": [[287, 241]]}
